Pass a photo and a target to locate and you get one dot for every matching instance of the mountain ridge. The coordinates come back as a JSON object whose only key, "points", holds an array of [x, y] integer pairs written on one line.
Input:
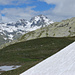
{"points": [[65, 28], [13, 30]]}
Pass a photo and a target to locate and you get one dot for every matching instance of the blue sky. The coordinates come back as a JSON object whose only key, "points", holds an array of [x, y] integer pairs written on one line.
{"points": [[13, 10], [40, 6]]}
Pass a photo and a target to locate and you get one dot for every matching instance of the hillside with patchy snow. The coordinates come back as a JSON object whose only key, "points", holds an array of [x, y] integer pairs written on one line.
{"points": [[11, 31], [65, 28]]}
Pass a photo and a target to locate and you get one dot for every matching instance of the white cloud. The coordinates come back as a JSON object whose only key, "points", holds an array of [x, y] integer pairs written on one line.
{"points": [[4, 2], [52, 1], [64, 8], [0, 17], [14, 14], [14, 2]]}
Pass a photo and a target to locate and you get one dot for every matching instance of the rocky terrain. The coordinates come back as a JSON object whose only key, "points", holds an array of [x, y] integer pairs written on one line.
{"points": [[65, 28], [13, 30]]}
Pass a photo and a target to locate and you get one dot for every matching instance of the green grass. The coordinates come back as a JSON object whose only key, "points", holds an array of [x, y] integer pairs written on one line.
{"points": [[29, 53]]}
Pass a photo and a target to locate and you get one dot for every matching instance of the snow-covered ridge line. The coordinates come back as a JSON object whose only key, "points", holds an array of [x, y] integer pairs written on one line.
{"points": [[13, 30], [61, 63]]}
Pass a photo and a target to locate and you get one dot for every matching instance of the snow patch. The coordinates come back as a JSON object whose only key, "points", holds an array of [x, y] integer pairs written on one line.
{"points": [[10, 37], [5, 38], [7, 68]]}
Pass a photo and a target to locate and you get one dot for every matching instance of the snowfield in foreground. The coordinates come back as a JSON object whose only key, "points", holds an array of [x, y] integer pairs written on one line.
{"points": [[61, 63]]}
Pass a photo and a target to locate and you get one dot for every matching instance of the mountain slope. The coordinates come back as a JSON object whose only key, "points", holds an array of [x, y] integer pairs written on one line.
{"points": [[13, 30], [61, 63], [29, 53], [65, 28]]}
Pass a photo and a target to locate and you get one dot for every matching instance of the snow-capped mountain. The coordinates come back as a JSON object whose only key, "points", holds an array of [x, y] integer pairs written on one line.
{"points": [[65, 28], [10, 31], [40, 20]]}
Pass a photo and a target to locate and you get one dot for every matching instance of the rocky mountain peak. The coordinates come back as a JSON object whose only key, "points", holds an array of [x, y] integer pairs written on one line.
{"points": [[12, 30], [40, 20]]}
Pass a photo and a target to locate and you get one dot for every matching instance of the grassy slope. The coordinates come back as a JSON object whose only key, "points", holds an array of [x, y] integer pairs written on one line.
{"points": [[31, 52]]}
